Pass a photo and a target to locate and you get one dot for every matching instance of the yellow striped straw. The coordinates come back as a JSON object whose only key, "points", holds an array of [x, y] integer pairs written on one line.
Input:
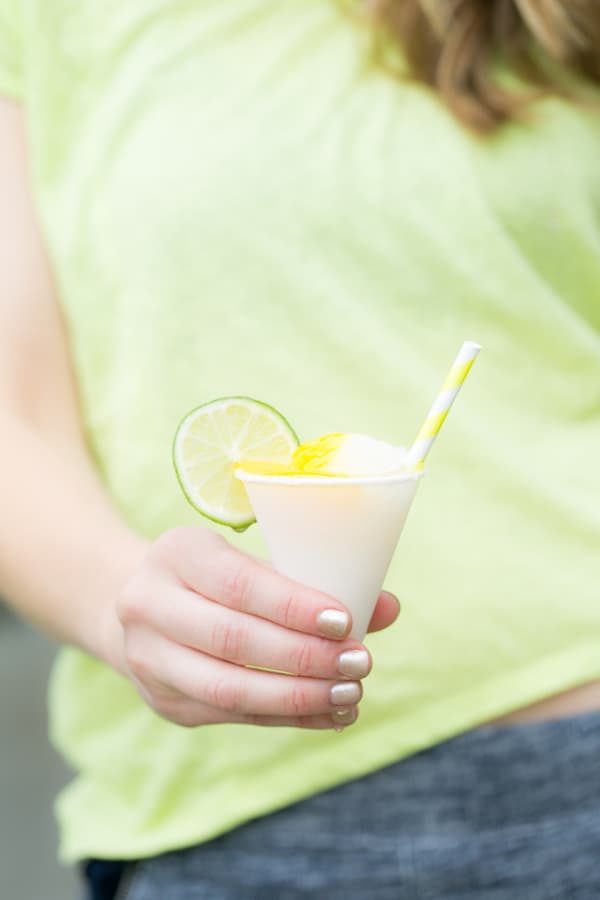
{"points": [[437, 414]]}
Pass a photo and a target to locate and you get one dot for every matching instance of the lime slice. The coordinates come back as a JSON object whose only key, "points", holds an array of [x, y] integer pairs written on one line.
{"points": [[209, 443]]}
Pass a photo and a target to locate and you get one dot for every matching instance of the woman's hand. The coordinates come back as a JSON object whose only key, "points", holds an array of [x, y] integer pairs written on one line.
{"points": [[199, 616]]}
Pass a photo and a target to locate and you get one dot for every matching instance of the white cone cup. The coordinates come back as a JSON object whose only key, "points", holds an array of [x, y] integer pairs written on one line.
{"points": [[337, 535]]}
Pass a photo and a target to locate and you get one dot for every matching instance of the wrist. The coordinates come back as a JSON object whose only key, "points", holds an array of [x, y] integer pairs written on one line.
{"points": [[104, 637]]}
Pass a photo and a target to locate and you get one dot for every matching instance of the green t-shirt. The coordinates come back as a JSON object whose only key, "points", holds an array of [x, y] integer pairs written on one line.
{"points": [[235, 203]]}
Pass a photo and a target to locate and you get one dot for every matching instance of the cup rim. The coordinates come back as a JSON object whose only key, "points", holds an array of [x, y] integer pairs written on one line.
{"points": [[327, 480]]}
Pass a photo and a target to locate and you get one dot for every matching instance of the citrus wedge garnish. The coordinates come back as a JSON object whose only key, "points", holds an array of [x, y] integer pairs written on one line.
{"points": [[210, 443]]}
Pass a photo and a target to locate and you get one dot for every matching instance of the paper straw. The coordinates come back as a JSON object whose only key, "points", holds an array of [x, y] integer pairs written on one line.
{"points": [[437, 414]]}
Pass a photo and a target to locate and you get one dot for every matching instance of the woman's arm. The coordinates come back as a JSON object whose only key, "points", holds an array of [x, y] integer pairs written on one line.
{"points": [[189, 619], [64, 552]]}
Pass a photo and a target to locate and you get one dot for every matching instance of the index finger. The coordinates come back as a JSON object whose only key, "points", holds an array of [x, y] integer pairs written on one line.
{"points": [[233, 579]]}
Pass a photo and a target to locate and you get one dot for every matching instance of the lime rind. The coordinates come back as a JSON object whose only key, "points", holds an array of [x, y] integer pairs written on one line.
{"points": [[278, 441]]}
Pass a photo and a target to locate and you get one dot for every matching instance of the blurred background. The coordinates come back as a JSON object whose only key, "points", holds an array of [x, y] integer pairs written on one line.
{"points": [[30, 772]]}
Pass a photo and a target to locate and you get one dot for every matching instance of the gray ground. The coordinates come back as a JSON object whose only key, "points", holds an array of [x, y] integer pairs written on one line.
{"points": [[30, 772]]}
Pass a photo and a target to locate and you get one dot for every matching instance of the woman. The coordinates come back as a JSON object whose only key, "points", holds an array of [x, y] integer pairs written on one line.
{"points": [[207, 198]]}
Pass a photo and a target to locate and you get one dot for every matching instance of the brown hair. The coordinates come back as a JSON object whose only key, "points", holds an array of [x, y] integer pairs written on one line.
{"points": [[453, 44]]}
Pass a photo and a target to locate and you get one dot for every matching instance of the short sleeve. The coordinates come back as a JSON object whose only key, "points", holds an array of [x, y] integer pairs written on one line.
{"points": [[10, 48]]}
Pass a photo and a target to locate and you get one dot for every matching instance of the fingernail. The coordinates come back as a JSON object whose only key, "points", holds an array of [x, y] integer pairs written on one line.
{"points": [[343, 717], [346, 693], [354, 663], [333, 623]]}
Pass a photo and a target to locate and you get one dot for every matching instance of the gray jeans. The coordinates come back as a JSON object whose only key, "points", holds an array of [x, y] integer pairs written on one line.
{"points": [[507, 813]]}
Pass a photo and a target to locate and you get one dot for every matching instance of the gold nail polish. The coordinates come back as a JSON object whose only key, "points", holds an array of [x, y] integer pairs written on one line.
{"points": [[346, 693], [354, 663], [343, 717], [333, 623]]}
